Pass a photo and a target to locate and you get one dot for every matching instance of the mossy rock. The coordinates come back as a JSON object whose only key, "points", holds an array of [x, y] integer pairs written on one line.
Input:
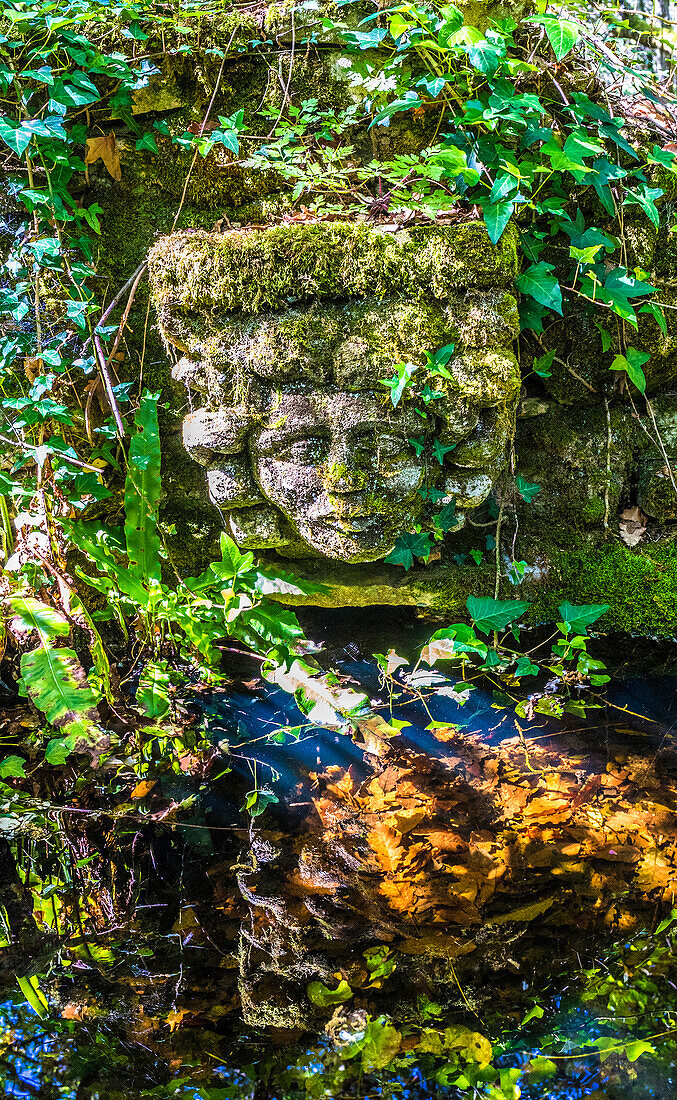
{"points": [[251, 270]]}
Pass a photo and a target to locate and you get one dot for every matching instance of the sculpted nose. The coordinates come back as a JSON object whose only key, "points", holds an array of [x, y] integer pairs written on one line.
{"points": [[208, 434], [341, 474]]}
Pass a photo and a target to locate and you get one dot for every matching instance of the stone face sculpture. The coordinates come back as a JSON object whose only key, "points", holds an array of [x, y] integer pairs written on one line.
{"points": [[288, 335]]}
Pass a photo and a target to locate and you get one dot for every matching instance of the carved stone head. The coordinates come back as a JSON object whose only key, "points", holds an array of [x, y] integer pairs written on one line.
{"points": [[289, 333]]}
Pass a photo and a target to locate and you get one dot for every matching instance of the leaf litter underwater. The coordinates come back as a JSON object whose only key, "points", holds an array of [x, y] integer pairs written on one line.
{"points": [[479, 907]]}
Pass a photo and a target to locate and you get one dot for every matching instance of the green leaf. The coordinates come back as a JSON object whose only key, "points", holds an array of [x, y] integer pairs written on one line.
{"points": [[577, 617], [153, 692], [32, 614], [541, 285], [408, 547], [667, 922], [535, 1013], [17, 137], [526, 667], [662, 156], [496, 217], [605, 335], [439, 450], [527, 489], [323, 997], [563, 34], [637, 1048], [399, 381], [488, 614], [13, 767], [645, 197], [484, 56], [259, 800], [658, 315], [58, 750], [632, 364], [543, 363], [56, 682], [147, 143], [30, 988], [380, 1045], [142, 493]]}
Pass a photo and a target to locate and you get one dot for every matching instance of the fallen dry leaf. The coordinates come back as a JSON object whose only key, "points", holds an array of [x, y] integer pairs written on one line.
{"points": [[387, 847], [105, 148], [632, 526]]}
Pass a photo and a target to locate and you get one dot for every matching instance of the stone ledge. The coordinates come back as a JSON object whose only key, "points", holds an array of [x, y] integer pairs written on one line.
{"points": [[255, 269]]}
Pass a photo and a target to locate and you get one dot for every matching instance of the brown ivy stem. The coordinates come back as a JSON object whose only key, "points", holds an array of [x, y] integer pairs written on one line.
{"points": [[108, 386]]}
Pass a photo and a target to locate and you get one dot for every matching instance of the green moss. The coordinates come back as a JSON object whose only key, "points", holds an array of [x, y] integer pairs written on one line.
{"points": [[639, 585], [252, 270]]}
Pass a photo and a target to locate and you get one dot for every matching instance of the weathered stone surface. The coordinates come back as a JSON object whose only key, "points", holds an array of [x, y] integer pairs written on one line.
{"points": [[656, 494], [299, 396]]}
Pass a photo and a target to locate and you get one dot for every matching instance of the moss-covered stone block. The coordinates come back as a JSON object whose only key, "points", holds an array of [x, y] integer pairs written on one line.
{"points": [[254, 270]]}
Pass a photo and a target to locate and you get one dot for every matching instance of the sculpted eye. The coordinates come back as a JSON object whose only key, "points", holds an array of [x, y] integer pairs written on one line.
{"points": [[392, 446], [308, 451]]}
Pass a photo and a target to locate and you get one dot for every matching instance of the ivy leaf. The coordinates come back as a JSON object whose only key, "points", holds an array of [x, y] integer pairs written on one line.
{"points": [[147, 143], [636, 1048], [543, 363], [17, 137], [488, 614], [539, 284], [662, 156], [446, 517], [658, 315], [632, 364], [535, 1013], [527, 489], [563, 34], [645, 198], [496, 217], [407, 548], [484, 56], [439, 450], [399, 381], [526, 667], [576, 618]]}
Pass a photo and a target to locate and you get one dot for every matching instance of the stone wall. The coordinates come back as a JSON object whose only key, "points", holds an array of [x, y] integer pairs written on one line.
{"points": [[232, 289]]}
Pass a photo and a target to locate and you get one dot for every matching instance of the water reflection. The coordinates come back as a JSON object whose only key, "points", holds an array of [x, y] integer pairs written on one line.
{"points": [[460, 913]]}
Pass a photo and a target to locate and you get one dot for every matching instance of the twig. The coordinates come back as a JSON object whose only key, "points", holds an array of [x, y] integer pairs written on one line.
{"points": [[204, 123], [115, 301], [125, 315], [105, 378]]}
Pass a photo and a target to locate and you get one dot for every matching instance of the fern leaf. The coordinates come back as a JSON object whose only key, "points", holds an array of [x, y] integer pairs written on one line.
{"points": [[31, 614], [56, 682], [142, 493]]}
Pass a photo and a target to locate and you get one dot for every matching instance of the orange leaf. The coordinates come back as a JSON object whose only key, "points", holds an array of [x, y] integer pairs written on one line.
{"points": [[105, 148], [143, 788], [387, 847]]}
